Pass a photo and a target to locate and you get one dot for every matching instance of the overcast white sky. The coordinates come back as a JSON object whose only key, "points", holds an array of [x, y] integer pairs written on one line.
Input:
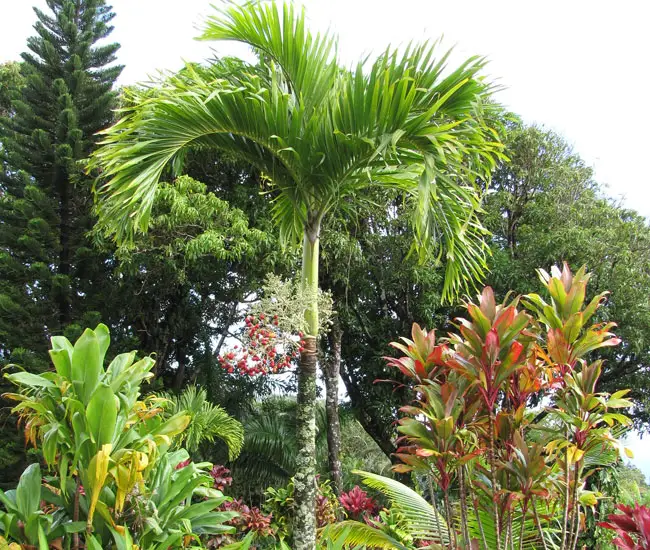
{"points": [[579, 67]]}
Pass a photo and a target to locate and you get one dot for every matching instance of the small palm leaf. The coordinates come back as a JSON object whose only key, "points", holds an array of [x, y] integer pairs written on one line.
{"points": [[208, 422], [350, 533]]}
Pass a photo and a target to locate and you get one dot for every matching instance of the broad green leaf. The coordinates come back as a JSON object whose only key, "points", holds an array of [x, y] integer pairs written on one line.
{"points": [[101, 415], [104, 340], [28, 492], [30, 380], [62, 343], [92, 543], [61, 360], [86, 365]]}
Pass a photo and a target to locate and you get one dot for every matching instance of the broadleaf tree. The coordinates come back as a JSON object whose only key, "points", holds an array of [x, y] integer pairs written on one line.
{"points": [[322, 135]]}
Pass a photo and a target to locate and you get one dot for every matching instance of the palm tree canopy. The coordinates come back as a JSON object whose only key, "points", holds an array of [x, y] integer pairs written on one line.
{"points": [[320, 133]]}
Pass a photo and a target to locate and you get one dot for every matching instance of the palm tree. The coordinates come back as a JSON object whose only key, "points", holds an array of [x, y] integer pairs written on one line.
{"points": [[322, 135]]}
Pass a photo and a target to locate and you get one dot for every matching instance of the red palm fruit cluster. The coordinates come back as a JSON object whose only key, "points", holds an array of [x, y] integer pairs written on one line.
{"points": [[250, 518], [221, 476], [266, 348], [357, 502]]}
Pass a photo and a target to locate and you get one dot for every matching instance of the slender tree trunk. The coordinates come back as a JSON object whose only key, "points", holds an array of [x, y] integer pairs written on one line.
{"points": [[181, 359], [567, 476], [575, 517], [332, 368], [450, 522], [477, 513], [493, 478], [524, 510], [463, 506], [304, 533], [432, 496], [539, 526]]}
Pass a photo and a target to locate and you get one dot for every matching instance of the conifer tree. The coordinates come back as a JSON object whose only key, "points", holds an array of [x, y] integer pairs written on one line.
{"points": [[51, 106], [47, 265]]}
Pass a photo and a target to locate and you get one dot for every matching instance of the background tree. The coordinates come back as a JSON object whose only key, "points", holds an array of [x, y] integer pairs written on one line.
{"points": [[11, 80], [321, 135], [546, 208]]}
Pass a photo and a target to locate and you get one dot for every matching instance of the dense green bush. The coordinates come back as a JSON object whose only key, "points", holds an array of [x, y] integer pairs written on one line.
{"points": [[114, 474]]}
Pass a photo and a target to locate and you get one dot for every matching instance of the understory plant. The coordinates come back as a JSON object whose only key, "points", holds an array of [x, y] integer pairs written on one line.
{"points": [[114, 474], [507, 419], [632, 526]]}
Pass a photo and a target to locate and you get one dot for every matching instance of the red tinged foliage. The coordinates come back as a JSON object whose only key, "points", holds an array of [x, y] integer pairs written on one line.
{"points": [[472, 398], [632, 526], [250, 518], [424, 359], [221, 476], [357, 502]]}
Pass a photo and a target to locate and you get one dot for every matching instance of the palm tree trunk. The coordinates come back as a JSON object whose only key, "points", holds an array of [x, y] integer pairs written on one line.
{"points": [[332, 369], [304, 533]]}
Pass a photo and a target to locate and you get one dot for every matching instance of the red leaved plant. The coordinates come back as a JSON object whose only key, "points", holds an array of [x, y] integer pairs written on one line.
{"points": [[632, 526], [357, 502]]}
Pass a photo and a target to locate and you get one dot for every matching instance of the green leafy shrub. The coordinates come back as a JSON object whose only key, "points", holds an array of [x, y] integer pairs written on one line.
{"points": [[516, 470], [113, 471]]}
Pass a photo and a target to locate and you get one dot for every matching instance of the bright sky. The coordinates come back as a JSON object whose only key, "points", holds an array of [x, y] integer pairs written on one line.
{"points": [[577, 66]]}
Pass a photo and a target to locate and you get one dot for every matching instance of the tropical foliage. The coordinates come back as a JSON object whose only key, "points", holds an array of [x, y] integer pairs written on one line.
{"points": [[113, 476], [503, 434], [321, 135], [472, 420]]}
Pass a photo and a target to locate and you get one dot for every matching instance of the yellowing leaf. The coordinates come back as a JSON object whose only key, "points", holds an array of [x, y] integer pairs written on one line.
{"points": [[97, 473], [574, 454]]}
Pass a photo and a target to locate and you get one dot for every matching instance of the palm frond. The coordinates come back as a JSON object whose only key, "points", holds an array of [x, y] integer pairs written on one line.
{"points": [[208, 421], [356, 533], [307, 61], [321, 134], [423, 520]]}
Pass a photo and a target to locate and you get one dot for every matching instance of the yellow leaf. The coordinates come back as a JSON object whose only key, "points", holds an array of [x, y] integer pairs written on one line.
{"points": [[98, 471], [574, 454], [628, 452]]}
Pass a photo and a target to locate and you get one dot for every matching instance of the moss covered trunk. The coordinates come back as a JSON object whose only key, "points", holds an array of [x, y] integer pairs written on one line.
{"points": [[304, 532]]}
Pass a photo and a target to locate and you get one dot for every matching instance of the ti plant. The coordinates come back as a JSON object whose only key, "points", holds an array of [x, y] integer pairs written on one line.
{"points": [[632, 525], [108, 452], [474, 424]]}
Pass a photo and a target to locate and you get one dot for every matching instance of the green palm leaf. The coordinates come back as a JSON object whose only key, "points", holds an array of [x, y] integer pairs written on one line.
{"points": [[320, 133], [208, 421], [355, 533], [423, 522]]}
